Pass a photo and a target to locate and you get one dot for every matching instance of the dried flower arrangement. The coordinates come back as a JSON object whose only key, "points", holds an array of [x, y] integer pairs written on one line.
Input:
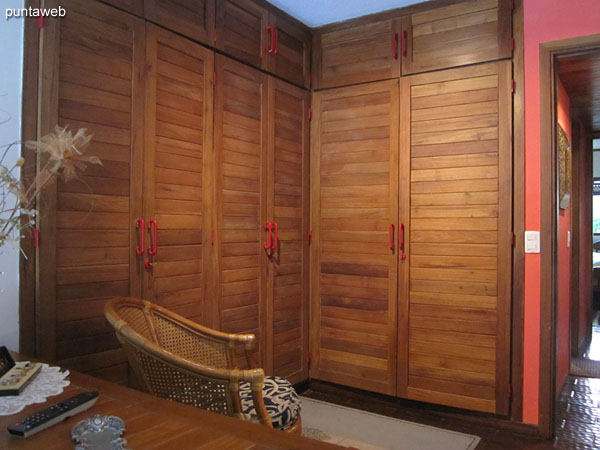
{"points": [[62, 155]]}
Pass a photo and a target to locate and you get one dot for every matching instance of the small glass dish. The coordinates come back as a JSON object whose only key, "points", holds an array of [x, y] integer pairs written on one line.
{"points": [[99, 433]]}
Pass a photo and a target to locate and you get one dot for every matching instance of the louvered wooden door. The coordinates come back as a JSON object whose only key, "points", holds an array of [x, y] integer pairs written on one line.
{"points": [[192, 18], [354, 203], [240, 154], [178, 143], [291, 57], [356, 54], [457, 35], [455, 197], [93, 58], [288, 203], [241, 30]]}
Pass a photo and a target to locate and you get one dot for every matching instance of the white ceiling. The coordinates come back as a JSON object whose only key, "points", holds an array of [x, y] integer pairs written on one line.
{"points": [[315, 13]]}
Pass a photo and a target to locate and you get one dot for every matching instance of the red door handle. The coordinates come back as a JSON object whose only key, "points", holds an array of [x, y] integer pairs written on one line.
{"points": [[401, 244], [140, 249], [153, 249], [404, 37], [395, 45], [276, 49], [269, 48], [391, 237], [276, 239], [269, 244]]}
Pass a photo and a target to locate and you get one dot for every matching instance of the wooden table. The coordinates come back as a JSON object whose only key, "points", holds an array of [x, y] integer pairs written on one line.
{"points": [[153, 423]]}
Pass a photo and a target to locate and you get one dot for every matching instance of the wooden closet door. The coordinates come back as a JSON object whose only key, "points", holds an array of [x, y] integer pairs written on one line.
{"points": [[92, 67], [240, 153], [178, 145], [454, 299], [192, 18], [241, 31], [354, 201], [356, 54], [457, 35], [292, 58], [288, 203]]}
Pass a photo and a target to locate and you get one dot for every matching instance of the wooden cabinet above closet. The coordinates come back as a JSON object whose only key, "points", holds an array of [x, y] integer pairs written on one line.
{"points": [[192, 18], [265, 39], [364, 49]]}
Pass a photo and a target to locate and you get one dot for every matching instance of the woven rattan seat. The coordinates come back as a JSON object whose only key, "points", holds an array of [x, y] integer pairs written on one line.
{"points": [[177, 359]]}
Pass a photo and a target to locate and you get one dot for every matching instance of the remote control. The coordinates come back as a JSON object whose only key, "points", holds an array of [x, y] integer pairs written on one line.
{"points": [[53, 415], [18, 377]]}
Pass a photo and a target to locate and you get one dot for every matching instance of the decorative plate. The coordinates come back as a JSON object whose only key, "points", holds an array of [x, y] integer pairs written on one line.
{"points": [[99, 433]]}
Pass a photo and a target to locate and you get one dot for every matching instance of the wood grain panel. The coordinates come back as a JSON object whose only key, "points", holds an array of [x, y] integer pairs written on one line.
{"points": [[457, 35], [241, 187], [457, 272], [356, 54], [177, 145], [353, 269], [99, 61], [192, 18]]}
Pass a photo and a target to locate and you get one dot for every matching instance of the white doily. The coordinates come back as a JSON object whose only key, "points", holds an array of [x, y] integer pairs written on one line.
{"points": [[50, 381]]}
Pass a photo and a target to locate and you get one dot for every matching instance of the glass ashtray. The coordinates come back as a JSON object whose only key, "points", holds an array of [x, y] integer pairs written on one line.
{"points": [[99, 433]]}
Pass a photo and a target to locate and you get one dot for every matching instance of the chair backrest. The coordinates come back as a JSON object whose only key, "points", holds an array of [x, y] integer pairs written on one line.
{"points": [[172, 358]]}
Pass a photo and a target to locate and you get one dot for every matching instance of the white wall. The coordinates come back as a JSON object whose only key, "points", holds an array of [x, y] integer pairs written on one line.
{"points": [[11, 81]]}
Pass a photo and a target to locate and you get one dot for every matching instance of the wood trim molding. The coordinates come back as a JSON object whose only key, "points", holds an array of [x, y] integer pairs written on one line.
{"points": [[548, 283], [518, 275], [27, 335]]}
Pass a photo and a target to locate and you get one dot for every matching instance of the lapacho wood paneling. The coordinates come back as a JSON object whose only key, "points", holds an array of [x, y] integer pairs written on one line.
{"points": [[241, 31], [291, 57], [133, 6], [100, 55], [354, 204], [192, 18], [356, 54], [178, 139], [288, 203], [456, 35], [240, 153], [455, 284]]}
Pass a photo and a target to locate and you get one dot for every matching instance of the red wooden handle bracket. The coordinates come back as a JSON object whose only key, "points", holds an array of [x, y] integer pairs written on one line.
{"points": [[140, 249], [153, 249], [269, 244], [269, 48], [276, 239]]}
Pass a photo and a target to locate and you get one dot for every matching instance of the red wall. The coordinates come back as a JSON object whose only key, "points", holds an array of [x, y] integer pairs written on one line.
{"points": [[544, 21], [564, 258]]}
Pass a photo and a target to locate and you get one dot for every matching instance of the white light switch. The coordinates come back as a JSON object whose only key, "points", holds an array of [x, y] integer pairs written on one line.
{"points": [[532, 242]]}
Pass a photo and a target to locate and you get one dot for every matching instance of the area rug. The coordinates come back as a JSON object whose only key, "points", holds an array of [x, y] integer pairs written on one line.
{"points": [[367, 431], [583, 367]]}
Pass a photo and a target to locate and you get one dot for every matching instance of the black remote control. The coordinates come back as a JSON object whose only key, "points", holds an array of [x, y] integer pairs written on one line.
{"points": [[53, 415]]}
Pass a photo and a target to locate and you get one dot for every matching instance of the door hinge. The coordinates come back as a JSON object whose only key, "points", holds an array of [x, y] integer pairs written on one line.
{"points": [[36, 237], [310, 236]]}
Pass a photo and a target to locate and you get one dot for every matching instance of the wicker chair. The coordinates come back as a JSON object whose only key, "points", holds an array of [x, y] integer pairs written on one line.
{"points": [[175, 358]]}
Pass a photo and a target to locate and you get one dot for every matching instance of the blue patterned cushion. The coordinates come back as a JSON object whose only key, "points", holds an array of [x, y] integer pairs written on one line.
{"points": [[281, 400]]}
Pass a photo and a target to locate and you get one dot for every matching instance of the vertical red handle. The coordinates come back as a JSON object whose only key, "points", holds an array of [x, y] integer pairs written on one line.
{"points": [[269, 244], [401, 244], [269, 48], [276, 239], [276, 48], [140, 249], [153, 249], [391, 237], [404, 37], [395, 45]]}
